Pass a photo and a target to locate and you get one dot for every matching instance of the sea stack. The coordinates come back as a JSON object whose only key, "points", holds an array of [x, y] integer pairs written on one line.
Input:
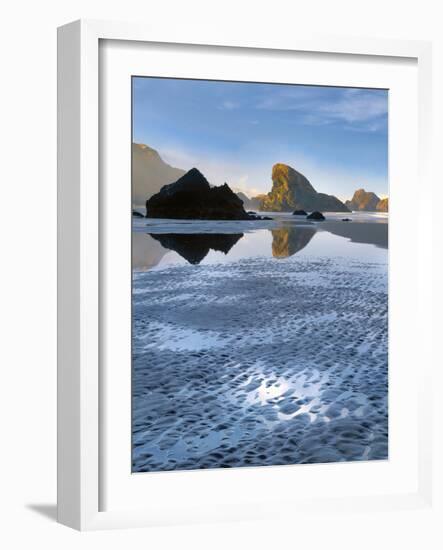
{"points": [[383, 205], [367, 201], [191, 197], [363, 200], [291, 191]]}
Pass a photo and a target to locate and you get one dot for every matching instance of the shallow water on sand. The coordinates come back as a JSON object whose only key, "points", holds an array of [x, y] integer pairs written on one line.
{"points": [[259, 343], [159, 243]]}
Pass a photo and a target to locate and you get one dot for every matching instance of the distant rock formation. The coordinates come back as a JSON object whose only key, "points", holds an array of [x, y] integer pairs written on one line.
{"points": [[287, 241], [193, 247], [137, 214], [291, 191], [252, 203], [149, 173], [299, 213], [383, 205], [367, 201], [191, 197], [259, 200]]}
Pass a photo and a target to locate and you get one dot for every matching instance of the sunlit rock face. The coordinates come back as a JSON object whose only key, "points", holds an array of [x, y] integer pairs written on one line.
{"points": [[291, 191], [383, 205], [191, 197], [287, 241], [367, 201], [194, 247]]}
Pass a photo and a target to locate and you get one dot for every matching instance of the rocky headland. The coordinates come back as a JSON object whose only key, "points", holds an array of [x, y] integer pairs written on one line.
{"points": [[291, 191], [149, 173]]}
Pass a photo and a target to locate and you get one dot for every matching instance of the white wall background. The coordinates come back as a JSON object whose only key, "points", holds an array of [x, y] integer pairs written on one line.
{"points": [[28, 270]]}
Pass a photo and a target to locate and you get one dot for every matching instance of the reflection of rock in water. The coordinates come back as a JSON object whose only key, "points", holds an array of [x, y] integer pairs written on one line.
{"points": [[286, 241], [146, 252], [360, 232], [193, 247]]}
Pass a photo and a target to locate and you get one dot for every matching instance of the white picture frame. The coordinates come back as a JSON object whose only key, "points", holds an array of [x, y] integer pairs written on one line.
{"points": [[80, 263]]}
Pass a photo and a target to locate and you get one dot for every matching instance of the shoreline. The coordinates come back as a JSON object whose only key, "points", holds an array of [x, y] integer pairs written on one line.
{"points": [[151, 240]]}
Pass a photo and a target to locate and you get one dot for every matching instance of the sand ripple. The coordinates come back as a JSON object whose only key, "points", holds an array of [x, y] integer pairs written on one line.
{"points": [[260, 362]]}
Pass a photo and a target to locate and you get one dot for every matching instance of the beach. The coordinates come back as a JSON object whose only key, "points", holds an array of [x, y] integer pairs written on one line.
{"points": [[259, 342]]}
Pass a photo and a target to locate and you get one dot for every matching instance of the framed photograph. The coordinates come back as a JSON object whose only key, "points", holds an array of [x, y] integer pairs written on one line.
{"points": [[241, 304]]}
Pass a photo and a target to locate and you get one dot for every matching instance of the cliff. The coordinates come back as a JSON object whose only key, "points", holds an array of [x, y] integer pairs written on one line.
{"points": [[149, 173], [291, 191], [383, 205], [363, 200]]}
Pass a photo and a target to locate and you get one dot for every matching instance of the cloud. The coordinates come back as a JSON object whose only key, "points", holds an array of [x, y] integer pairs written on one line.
{"points": [[254, 178], [243, 184], [229, 105], [178, 158], [356, 106], [353, 108]]}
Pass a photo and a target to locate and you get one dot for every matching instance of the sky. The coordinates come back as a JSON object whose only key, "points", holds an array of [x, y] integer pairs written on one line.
{"points": [[235, 132]]}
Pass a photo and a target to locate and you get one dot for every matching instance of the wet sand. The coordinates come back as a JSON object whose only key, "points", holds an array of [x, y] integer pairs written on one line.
{"points": [[360, 232], [261, 361]]}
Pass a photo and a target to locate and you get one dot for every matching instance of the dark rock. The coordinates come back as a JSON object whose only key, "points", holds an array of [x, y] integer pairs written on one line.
{"points": [[346, 220], [291, 191], [193, 247], [299, 213], [137, 214], [191, 197], [317, 216]]}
